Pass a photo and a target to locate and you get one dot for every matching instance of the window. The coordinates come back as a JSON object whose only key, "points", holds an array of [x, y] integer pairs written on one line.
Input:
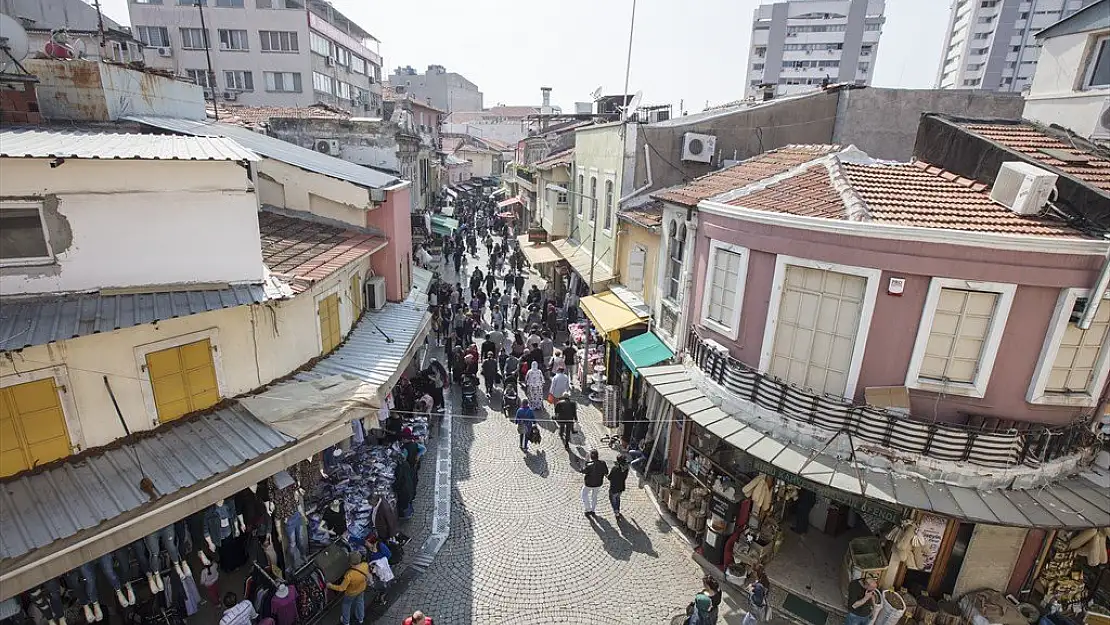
{"points": [[235, 4], [971, 82], [319, 44], [201, 77], [864, 67], [676, 248], [989, 4], [343, 89], [155, 36], [593, 199], [278, 40], [358, 64], [1073, 365], [183, 379], [872, 27], [232, 39], [32, 426], [982, 36], [23, 238], [958, 338], [328, 311], [561, 197], [323, 83], [581, 192], [147, 1], [194, 38], [283, 82], [986, 19], [189, 3], [608, 205], [724, 290], [757, 67], [1098, 64], [237, 80]]}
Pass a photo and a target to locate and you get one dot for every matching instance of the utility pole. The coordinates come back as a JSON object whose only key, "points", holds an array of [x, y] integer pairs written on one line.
{"points": [[208, 57], [100, 28]]}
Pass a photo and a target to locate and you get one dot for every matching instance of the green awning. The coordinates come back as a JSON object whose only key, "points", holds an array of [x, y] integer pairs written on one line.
{"points": [[441, 230], [644, 350], [450, 224]]}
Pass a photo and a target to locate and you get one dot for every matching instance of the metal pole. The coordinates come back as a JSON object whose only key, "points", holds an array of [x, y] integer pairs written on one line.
{"points": [[208, 57], [100, 28]]}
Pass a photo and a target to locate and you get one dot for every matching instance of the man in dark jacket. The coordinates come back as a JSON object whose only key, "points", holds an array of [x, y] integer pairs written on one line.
{"points": [[519, 282], [595, 472], [490, 373], [566, 413], [617, 477]]}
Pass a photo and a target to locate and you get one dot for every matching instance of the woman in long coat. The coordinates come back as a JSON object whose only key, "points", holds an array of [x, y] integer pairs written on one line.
{"points": [[534, 381]]}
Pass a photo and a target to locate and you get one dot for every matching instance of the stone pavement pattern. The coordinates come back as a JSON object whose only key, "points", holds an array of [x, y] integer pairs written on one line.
{"points": [[520, 549]]}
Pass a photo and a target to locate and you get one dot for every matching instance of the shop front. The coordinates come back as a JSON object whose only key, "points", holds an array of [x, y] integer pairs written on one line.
{"points": [[612, 321], [750, 496], [241, 499]]}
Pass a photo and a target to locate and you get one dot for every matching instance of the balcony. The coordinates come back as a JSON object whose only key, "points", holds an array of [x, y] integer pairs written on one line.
{"points": [[524, 177], [982, 441]]}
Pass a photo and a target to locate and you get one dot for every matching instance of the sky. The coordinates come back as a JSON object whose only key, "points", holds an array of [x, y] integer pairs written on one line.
{"points": [[684, 52]]}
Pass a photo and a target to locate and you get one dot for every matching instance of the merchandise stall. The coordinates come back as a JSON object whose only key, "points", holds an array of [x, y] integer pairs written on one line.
{"points": [[1073, 579]]}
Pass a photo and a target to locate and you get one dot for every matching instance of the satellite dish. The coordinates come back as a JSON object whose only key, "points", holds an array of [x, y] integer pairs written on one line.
{"points": [[596, 93], [14, 44], [633, 104]]}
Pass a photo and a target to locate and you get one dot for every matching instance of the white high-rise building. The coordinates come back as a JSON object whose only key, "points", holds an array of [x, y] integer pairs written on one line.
{"points": [[800, 44], [990, 43]]}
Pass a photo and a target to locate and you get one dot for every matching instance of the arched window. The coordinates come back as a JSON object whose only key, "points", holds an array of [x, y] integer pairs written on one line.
{"points": [[608, 204], [581, 191], [676, 247], [593, 199]]}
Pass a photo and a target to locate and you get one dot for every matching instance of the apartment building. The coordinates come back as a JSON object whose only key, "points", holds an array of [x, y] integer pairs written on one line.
{"points": [[442, 89], [264, 52], [991, 44], [799, 45]]}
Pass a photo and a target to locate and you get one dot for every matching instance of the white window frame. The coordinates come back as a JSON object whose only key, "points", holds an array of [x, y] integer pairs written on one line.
{"points": [[187, 42], [1092, 58], [232, 36], [162, 31], [870, 294], [141, 351], [69, 405], [991, 344], [1059, 324], [732, 331], [236, 74], [293, 88], [30, 261]]}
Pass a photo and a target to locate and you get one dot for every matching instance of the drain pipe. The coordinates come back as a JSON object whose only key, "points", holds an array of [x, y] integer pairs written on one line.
{"points": [[1096, 296], [647, 185]]}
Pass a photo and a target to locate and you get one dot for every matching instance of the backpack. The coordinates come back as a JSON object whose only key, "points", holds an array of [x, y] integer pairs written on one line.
{"points": [[396, 553]]}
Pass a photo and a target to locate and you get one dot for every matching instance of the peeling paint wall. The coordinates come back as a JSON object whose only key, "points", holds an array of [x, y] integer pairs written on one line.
{"points": [[285, 186], [81, 90]]}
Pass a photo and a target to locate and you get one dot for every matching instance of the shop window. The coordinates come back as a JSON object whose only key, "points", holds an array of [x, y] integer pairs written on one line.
{"points": [[959, 335], [32, 426], [183, 379], [328, 311]]}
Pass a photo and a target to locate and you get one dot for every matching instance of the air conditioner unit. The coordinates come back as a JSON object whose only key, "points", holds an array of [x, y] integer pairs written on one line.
{"points": [[165, 51], [327, 146], [208, 94], [231, 95], [1023, 188], [374, 291], [1102, 124], [698, 147]]}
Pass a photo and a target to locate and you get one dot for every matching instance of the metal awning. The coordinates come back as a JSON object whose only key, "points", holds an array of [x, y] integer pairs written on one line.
{"points": [[501, 191], [583, 264], [643, 351], [421, 284], [451, 192], [1072, 502], [509, 202], [538, 253], [450, 224], [608, 313]]}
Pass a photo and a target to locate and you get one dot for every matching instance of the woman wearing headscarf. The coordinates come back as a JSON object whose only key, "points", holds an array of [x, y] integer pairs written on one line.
{"points": [[702, 613], [534, 381]]}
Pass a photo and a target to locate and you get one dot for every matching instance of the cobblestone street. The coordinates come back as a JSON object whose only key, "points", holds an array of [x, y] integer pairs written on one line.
{"points": [[520, 549]]}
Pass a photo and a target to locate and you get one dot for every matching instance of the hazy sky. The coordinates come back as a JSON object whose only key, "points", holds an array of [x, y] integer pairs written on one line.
{"points": [[693, 51]]}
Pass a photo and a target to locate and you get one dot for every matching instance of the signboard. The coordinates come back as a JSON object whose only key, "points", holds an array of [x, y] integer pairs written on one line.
{"points": [[931, 530], [537, 235]]}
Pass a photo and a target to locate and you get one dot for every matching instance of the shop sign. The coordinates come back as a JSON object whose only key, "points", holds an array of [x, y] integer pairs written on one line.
{"points": [[931, 530], [537, 235], [865, 505]]}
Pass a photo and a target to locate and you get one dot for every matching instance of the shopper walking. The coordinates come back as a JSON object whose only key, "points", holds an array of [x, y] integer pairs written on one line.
{"points": [[490, 374], [701, 611], [595, 472], [617, 476], [757, 598], [525, 419], [534, 382], [418, 618], [353, 587], [566, 413], [560, 384]]}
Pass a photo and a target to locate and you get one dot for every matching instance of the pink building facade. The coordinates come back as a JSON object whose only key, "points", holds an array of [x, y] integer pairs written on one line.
{"points": [[395, 261]]}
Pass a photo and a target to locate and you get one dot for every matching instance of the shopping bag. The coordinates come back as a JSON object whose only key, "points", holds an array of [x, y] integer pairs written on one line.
{"points": [[534, 436]]}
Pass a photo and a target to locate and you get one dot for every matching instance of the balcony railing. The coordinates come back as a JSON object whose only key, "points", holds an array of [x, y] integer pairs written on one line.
{"points": [[525, 175], [992, 444]]}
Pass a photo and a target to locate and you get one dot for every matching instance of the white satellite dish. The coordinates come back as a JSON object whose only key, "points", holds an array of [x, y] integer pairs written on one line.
{"points": [[14, 44], [596, 93], [633, 104]]}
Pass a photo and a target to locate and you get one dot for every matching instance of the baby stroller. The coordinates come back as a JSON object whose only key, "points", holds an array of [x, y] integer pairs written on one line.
{"points": [[469, 392], [510, 399]]}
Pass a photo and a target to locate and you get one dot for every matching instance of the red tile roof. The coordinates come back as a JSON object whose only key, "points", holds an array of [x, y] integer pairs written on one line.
{"points": [[304, 251], [254, 116], [565, 157], [756, 168], [907, 194], [648, 214], [1028, 139]]}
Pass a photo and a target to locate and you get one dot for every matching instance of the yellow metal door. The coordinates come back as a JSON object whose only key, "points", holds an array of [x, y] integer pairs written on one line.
{"points": [[32, 426], [184, 379], [356, 296], [329, 322]]}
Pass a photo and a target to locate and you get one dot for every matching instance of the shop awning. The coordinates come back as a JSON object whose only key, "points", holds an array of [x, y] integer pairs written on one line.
{"points": [[581, 261], [1072, 502], [501, 191], [538, 254], [509, 202], [644, 351], [608, 312], [421, 283], [451, 192], [442, 224]]}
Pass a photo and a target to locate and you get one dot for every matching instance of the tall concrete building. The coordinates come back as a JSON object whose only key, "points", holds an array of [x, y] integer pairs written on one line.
{"points": [[799, 44], [442, 89], [990, 43], [264, 52]]}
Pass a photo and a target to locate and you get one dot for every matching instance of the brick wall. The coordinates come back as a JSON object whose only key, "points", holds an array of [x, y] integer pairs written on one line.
{"points": [[990, 558], [18, 103]]}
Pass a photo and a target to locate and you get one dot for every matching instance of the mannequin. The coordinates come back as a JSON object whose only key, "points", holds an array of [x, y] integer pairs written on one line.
{"points": [[282, 591], [82, 582], [166, 538], [220, 522], [336, 517], [48, 599], [125, 594]]}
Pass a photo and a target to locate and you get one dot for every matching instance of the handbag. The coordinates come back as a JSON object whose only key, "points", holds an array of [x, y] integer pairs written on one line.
{"points": [[534, 435]]}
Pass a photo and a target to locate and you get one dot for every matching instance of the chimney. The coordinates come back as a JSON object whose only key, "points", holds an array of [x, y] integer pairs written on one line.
{"points": [[546, 91]]}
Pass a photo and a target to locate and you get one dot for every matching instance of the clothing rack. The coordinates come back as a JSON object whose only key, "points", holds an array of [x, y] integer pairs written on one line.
{"points": [[310, 561], [270, 578]]}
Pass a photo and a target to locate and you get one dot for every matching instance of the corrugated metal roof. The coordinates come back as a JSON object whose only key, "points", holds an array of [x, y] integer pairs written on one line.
{"points": [[37, 321], [1070, 502], [276, 149], [39, 143], [40, 508]]}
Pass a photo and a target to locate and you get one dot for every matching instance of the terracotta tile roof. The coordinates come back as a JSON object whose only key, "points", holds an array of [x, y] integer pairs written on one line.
{"points": [[565, 157], [303, 251], [255, 116], [648, 214], [755, 168], [908, 194], [1030, 140]]}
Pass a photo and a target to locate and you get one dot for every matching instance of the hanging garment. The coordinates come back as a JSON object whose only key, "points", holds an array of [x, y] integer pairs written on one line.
{"points": [[248, 505], [284, 609], [191, 595], [219, 522]]}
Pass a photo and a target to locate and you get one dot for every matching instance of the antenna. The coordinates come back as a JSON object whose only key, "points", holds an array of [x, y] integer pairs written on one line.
{"points": [[14, 44], [632, 105]]}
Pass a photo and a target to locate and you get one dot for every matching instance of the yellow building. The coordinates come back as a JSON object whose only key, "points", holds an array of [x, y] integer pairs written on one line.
{"points": [[638, 240]]}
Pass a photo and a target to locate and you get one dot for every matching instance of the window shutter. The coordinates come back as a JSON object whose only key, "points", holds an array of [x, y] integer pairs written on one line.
{"points": [[636, 260]]}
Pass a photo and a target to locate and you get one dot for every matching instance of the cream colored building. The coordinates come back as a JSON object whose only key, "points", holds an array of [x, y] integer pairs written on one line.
{"points": [[552, 203]]}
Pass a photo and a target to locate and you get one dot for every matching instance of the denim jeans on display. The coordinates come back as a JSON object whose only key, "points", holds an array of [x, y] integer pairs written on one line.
{"points": [[166, 537], [296, 535], [139, 549], [53, 590], [85, 589], [356, 604], [109, 568]]}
